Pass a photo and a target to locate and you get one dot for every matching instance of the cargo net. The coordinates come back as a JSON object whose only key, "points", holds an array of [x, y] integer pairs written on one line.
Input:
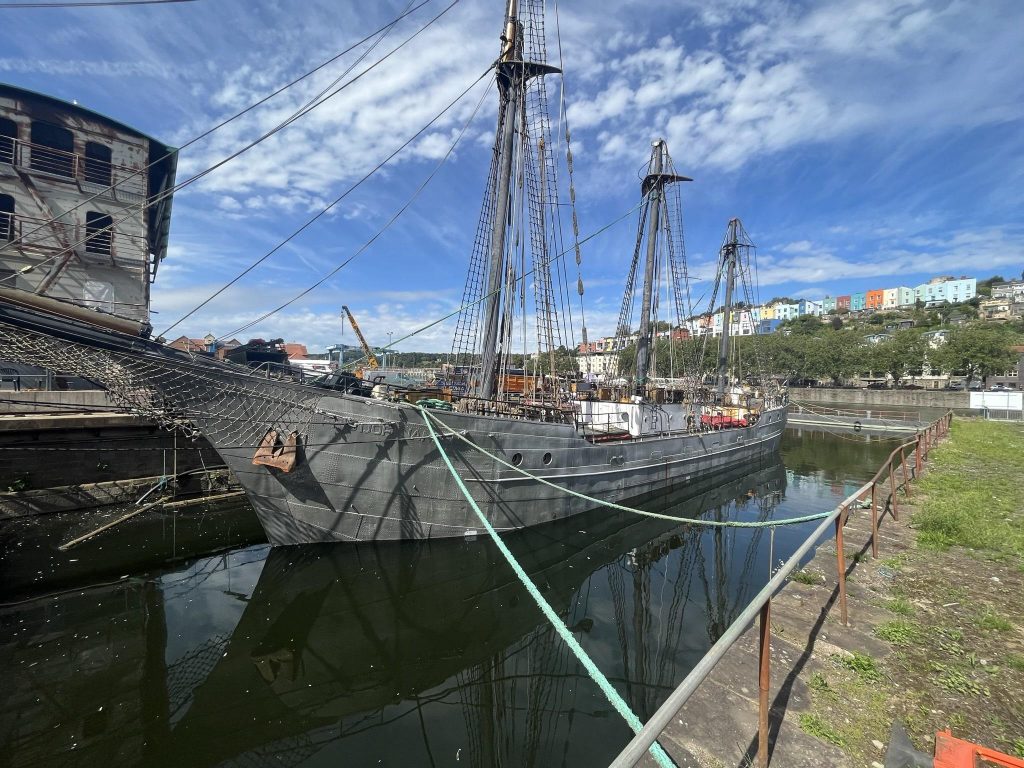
{"points": [[228, 404]]}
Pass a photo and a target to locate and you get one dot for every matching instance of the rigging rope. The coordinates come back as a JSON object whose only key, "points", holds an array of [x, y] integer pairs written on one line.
{"points": [[163, 195], [390, 221]]}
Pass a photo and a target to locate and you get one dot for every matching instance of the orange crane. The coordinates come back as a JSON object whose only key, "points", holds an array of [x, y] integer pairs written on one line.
{"points": [[373, 363]]}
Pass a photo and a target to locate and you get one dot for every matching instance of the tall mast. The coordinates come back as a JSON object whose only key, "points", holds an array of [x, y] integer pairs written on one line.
{"points": [[653, 189], [728, 263], [643, 342], [513, 74], [508, 87]]}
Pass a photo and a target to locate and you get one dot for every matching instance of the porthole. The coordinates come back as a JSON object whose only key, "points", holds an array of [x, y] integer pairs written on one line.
{"points": [[517, 459], [546, 459]]}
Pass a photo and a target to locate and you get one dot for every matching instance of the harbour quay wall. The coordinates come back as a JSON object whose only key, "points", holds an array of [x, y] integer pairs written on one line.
{"points": [[959, 402]]}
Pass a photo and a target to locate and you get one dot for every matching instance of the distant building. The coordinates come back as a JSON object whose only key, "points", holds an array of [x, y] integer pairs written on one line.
{"points": [[843, 302], [951, 289], [858, 302], [680, 334], [1012, 291], [874, 299], [897, 298], [936, 339], [877, 338], [296, 350], [599, 363], [995, 309], [828, 305], [185, 344], [85, 204], [808, 307], [784, 311]]}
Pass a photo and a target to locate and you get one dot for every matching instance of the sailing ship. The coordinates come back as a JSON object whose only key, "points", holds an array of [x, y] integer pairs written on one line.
{"points": [[325, 462]]}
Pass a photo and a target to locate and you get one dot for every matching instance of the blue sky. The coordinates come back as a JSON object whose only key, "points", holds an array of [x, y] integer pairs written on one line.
{"points": [[863, 143]]}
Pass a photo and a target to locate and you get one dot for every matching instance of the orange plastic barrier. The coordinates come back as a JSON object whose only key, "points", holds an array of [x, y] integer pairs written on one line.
{"points": [[956, 753]]}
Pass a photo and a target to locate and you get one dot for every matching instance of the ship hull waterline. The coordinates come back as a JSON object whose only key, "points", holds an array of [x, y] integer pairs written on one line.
{"points": [[396, 486]]}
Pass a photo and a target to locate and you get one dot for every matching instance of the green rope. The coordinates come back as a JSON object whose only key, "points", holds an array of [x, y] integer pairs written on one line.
{"points": [[620, 704], [634, 510]]}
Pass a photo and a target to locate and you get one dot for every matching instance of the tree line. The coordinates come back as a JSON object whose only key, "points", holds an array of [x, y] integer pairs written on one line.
{"points": [[815, 351]]}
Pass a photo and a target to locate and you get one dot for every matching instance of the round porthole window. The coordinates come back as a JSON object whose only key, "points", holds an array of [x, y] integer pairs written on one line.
{"points": [[517, 459], [546, 459]]}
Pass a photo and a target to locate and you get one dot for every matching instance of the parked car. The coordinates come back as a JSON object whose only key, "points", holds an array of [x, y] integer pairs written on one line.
{"points": [[878, 385], [999, 388], [910, 386]]}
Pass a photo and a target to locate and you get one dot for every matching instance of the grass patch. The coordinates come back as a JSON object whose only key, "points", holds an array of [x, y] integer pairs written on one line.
{"points": [[1015, 661], [805, 577], [895, 563], [862, 664], [897, 632], [819, 684], [956, 680], [992, 620], [901, 606], [820, 728], [973, 494]]}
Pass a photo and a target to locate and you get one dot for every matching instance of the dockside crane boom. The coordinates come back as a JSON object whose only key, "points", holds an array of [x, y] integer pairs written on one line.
{"points": [[373, 363]]}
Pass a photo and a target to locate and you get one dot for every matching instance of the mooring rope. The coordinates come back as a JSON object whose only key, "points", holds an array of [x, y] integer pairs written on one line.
{"points": [[620, 704], [622, 507]]}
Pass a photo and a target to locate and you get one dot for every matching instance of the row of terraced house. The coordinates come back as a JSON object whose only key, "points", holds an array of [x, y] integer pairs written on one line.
{"points": [[747, 321]]}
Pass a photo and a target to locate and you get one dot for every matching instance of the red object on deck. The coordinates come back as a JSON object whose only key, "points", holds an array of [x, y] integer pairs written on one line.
{"points": [[721, 422], [957, 753]]}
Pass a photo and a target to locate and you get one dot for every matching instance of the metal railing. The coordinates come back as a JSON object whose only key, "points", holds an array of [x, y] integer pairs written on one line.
{"points": [[94, 242], [892, 475], [96, 172]]}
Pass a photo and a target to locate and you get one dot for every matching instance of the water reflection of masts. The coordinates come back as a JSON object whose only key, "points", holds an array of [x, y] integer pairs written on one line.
{"points": [[724, 611], [645, 687]]}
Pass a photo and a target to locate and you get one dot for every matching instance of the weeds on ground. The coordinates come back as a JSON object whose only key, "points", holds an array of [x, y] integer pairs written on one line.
{"points": [[897, 632], [805, 577], [901, 606], [818, 727], [989, 619], [956, 680], [819, 684], [862, 664]]}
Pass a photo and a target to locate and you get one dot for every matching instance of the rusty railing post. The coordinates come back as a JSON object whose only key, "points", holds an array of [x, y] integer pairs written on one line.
{"points": [[892, 490], [906, 476], [874, 519], [917, 457], [841, 564], [764, 678]]}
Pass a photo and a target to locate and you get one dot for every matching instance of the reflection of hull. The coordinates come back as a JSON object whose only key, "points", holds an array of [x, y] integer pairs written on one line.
{"points": [[367, 469], [331, 633]]}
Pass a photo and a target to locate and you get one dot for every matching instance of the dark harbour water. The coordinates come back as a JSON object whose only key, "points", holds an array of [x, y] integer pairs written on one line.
{"points": [[408, 654]]}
